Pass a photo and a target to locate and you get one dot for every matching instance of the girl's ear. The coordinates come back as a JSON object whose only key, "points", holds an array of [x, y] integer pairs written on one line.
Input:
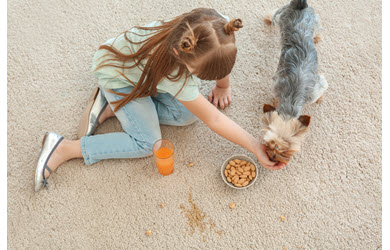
{"points": [[176, 52]]}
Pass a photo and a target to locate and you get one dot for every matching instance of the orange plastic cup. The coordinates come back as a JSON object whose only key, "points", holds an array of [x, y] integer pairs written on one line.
{"points": [[164, 156]]}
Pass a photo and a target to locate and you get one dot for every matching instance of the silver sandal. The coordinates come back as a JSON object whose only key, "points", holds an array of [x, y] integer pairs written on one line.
{"points": [[90, 118], [49, 144]]}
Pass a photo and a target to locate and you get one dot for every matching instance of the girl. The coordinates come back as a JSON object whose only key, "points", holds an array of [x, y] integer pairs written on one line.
{"points": [[150, 76]]}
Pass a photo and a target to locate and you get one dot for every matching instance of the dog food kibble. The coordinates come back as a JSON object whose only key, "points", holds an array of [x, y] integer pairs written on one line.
{"points": [[233, 205], [162, 205], [282, 218], [240, 172], [190, 164], [148, 233]]}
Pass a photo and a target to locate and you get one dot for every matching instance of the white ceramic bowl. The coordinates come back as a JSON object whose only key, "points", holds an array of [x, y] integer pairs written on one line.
{"points": [[240, 157]]}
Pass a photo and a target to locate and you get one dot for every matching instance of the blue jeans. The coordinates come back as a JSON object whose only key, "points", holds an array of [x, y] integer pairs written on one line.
{"points": [[140, 119]]}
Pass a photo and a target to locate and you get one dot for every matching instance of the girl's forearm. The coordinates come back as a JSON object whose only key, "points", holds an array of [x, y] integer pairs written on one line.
{"points": [[231, 131]]}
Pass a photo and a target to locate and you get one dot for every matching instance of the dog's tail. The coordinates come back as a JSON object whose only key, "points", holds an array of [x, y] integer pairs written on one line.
{"points": [[299, 4]]}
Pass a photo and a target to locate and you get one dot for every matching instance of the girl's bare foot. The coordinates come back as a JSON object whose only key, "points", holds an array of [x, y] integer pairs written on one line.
{"points": [[107, 113], [65, 151]]}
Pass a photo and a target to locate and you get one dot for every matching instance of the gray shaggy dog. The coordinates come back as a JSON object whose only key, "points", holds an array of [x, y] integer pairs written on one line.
{"points": [[296, 81]]}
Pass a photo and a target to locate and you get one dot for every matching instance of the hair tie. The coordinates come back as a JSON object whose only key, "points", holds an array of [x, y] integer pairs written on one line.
{"points": [[233, 25]]}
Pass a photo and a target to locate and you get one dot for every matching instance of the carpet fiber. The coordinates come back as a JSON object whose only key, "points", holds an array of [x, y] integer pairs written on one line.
{"points": [[330, 194]]}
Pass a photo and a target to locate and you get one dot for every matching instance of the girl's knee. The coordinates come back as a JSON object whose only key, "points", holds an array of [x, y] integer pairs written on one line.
{"points": [[187, 118]]}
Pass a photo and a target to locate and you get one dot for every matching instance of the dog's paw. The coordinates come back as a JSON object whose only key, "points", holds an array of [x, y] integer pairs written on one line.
{"points": [[268, 19], [320, 99], [317, 39]]}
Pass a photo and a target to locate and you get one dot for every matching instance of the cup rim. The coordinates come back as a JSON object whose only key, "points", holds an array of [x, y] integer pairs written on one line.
{"points": [[173, 149]]}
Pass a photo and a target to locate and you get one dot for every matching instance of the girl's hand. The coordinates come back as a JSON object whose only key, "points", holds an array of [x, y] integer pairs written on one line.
{"points": [[221, 97], [262, 157]]}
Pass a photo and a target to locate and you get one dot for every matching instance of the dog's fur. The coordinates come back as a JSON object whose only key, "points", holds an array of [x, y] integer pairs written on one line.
{"points": [[296, 80]]}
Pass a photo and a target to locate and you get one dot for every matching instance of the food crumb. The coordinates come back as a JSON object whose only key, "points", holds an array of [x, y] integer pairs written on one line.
{"points": [[233, 205], [299, 246], [282, 218], [148, 233], [190, 164], [284, 248], [162, 205]]}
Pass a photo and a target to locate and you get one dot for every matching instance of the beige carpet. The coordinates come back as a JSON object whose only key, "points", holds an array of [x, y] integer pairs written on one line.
{"points": [[330, 194]]}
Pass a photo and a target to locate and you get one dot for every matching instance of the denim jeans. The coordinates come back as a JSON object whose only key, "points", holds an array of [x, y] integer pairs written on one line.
{"points": [[140, 119]]}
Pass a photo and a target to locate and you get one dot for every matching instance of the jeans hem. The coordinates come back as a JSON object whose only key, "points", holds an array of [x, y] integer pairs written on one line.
{"points": [[87, 160]]}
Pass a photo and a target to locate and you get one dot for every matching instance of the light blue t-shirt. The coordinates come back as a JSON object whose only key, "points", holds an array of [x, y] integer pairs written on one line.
{"points": [[110, 78]]}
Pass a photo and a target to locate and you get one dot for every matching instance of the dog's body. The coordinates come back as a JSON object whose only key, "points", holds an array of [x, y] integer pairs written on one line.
{"points": [[296, 81]]}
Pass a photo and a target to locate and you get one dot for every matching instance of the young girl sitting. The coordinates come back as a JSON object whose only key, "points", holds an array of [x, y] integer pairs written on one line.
{"points": [[149, 76]]}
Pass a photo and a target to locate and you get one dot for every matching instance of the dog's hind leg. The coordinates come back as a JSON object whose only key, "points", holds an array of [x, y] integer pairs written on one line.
{"points": [[319, 89], [317, 36]]}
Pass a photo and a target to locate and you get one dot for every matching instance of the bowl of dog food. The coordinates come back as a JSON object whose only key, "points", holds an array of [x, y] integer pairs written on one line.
{"points": [[239, 171]]}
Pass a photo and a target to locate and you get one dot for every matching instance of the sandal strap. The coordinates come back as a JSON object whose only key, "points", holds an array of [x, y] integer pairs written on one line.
{"points": [[46, 167]]}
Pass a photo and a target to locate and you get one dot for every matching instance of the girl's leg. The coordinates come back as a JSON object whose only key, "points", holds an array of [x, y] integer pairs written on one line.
{"points": [[171, 112], [65, 151], [140, 122]]}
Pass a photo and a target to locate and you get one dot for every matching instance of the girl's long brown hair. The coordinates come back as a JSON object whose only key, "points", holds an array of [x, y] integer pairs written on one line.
{"points": [[203, 39]]}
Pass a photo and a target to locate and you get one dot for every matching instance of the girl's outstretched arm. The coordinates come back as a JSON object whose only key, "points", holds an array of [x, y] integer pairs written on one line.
{"points": [[229, 130]]}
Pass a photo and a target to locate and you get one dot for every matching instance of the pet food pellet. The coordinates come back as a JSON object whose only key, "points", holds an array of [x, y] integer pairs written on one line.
{"points": [[229, 179], [250, 177], [241, 181], [226, 173], [248, 164], [148, 233], [162, 205], [228, 167], [233, 168], [243, 163], [190, 164], [246, 173], [252, 168], [240, 170], [232, 163], [284, 248], [235, 178], [243, 176], [233, 172], [245, 183], [247, 168], [282, 218], [237, 161], [238, 185], [232, 205], [253, 174], [299, 246]]}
